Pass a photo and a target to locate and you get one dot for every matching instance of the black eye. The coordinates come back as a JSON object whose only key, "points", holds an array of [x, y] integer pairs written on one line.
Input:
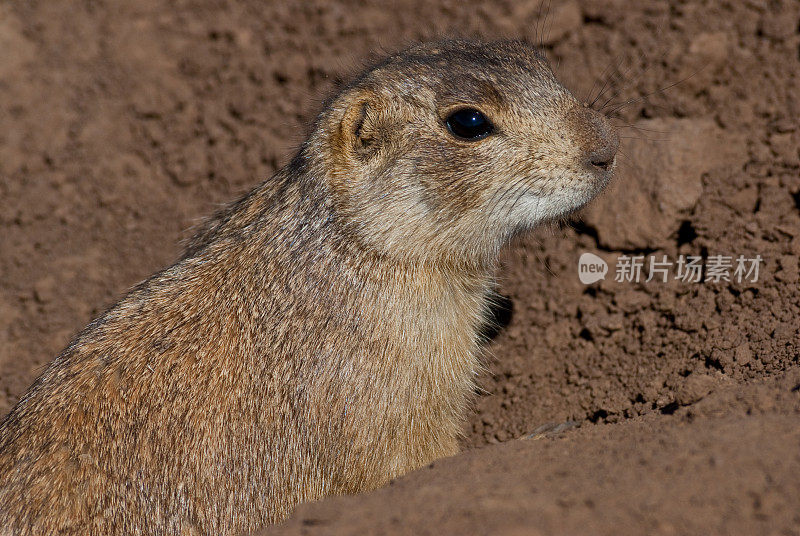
{"points": [[469, 124]]}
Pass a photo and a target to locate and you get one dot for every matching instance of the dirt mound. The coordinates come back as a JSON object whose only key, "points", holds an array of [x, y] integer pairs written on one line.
{"points": [[121, 126], [636, 477]]}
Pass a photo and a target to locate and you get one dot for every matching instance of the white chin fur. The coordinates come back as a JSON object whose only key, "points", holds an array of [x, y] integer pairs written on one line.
{"points": [[532, 209]]}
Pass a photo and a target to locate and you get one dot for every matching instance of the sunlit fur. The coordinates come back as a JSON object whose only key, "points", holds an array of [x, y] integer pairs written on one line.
{"points": [[319, 336]]}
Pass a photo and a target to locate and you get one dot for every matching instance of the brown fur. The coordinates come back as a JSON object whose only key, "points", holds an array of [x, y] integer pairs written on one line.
{"points": [[319, 336]]}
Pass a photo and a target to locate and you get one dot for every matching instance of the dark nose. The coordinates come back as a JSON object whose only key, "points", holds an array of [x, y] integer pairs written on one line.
{"points": [[603, 158], [601, 141]]}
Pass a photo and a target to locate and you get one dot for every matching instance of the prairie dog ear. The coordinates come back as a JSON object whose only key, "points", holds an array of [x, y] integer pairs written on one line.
{"points": [[359, 132]]}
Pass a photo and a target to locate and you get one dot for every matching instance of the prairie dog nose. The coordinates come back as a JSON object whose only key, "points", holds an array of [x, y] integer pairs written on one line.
{"points": [[598, 139], [603, 157]]}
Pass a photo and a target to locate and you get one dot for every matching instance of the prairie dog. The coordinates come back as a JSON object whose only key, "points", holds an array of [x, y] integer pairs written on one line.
{"points": [[320, 335]]}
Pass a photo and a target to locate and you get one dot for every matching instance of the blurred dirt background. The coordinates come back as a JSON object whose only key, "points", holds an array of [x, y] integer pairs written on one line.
{"points": [[124, 123]]}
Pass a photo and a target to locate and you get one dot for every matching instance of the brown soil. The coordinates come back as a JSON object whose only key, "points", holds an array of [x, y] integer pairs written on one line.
{"points": [[122, 124]]}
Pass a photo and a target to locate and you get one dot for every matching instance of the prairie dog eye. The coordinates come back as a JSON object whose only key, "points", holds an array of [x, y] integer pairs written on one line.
{"points": [[469, 124]]}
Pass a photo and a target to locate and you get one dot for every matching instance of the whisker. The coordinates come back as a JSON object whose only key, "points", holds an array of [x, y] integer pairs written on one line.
{"points": [[637, 61], [631, 162], [609, 80], [628, 125], [661, 90], [543, 261], [540, 24], [630, 82], [643, 138], [509, 192], [649, 103], [498, 196], [546, 15], [519, 196]]}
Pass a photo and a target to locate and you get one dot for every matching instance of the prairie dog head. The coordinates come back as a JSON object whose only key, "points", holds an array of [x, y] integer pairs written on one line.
{"points": [[447, 149]]}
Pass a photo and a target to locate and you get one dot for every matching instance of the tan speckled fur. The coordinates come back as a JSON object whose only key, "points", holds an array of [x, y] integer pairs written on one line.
{"points": [[319, 336]]}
